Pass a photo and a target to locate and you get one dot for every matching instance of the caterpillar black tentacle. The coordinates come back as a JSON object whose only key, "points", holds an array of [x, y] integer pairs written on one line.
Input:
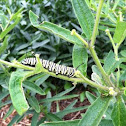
{"points": [[51, 67]]}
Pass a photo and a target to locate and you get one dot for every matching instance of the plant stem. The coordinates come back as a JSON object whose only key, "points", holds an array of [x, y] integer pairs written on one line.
{"points": [[115, 47], [109, 17], [79, 37], [93, 84], [96, 23], [4, 33], [91, 48], [75, 80], [97, 62], [16, 65]]}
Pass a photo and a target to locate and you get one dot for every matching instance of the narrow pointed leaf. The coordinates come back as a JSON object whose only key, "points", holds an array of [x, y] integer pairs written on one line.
{"points": [[120, 32], [4, 21], [14, 120], [65, 112], [55, 29], [3, 95], [33, 87], [58, 98], [11, 109], [110, 63], [8, 29], [65, 92], [119, 113], [53, 117], [85, 17], [4, 45], [61, 123], [106, 122], [80, 58], [123, 76], [34, 119], [90, 97], [34, 103], [94, 114]]}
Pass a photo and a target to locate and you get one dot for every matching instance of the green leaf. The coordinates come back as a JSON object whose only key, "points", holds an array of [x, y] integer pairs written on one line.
{"points": [[120, 32], [5, 103], [55, 29], [53, 117], [85, 17], [41, 121], [11, 109], [58, 98], [82, 96], [119, 113], [64, 92], [4, 45], [80, 58], [34, 119], [67, 85], [94, 114], [115, 4], [3, 95], [33, 18], [96, 78], [106, 122], [21, 117], [67, 111], [103, 28], [107, 6], [13, 16], [61, 123], [90, 97], [16, 91], [34, 103], [4, 21], [123, 53], [14, 120], [41, 75], [42, 79], [7, 30], [96, 70], [33, 87], [69, 108], [123, 76], [110, 63]]}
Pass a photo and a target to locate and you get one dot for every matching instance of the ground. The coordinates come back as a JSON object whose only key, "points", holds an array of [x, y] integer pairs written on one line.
{"points": [[26, 121]]}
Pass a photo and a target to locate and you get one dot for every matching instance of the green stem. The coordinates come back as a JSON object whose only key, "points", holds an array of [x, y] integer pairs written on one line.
{"points": [[17, 65], [10, 27], [93, 84], [75, 80], [111, 19], [110, 37], [97, 62], [115, 47], [79, 37], [96, 23]]}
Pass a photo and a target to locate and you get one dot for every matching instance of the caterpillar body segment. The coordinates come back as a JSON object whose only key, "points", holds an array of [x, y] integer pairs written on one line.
{"points": [[51, 67]]}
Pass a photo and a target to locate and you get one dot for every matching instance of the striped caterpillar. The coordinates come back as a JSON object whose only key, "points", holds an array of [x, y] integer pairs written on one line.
{"points": [[51, 67]]}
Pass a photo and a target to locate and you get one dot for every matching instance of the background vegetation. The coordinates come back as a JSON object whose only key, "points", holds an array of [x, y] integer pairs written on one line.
{"points": [[24, 38]]}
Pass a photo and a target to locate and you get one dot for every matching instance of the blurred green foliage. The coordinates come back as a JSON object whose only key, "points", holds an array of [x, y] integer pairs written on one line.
{"points": [[25, 38]]}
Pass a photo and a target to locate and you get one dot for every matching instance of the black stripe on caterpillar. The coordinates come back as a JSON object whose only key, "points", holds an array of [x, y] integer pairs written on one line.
{"points": [[51, 67]]}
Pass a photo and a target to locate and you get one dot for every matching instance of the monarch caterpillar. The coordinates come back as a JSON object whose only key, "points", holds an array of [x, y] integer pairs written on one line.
{"points": [[51, 67]]}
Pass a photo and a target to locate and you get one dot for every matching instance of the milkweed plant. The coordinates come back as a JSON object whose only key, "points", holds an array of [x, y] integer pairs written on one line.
{"points": [[108, 74]]}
